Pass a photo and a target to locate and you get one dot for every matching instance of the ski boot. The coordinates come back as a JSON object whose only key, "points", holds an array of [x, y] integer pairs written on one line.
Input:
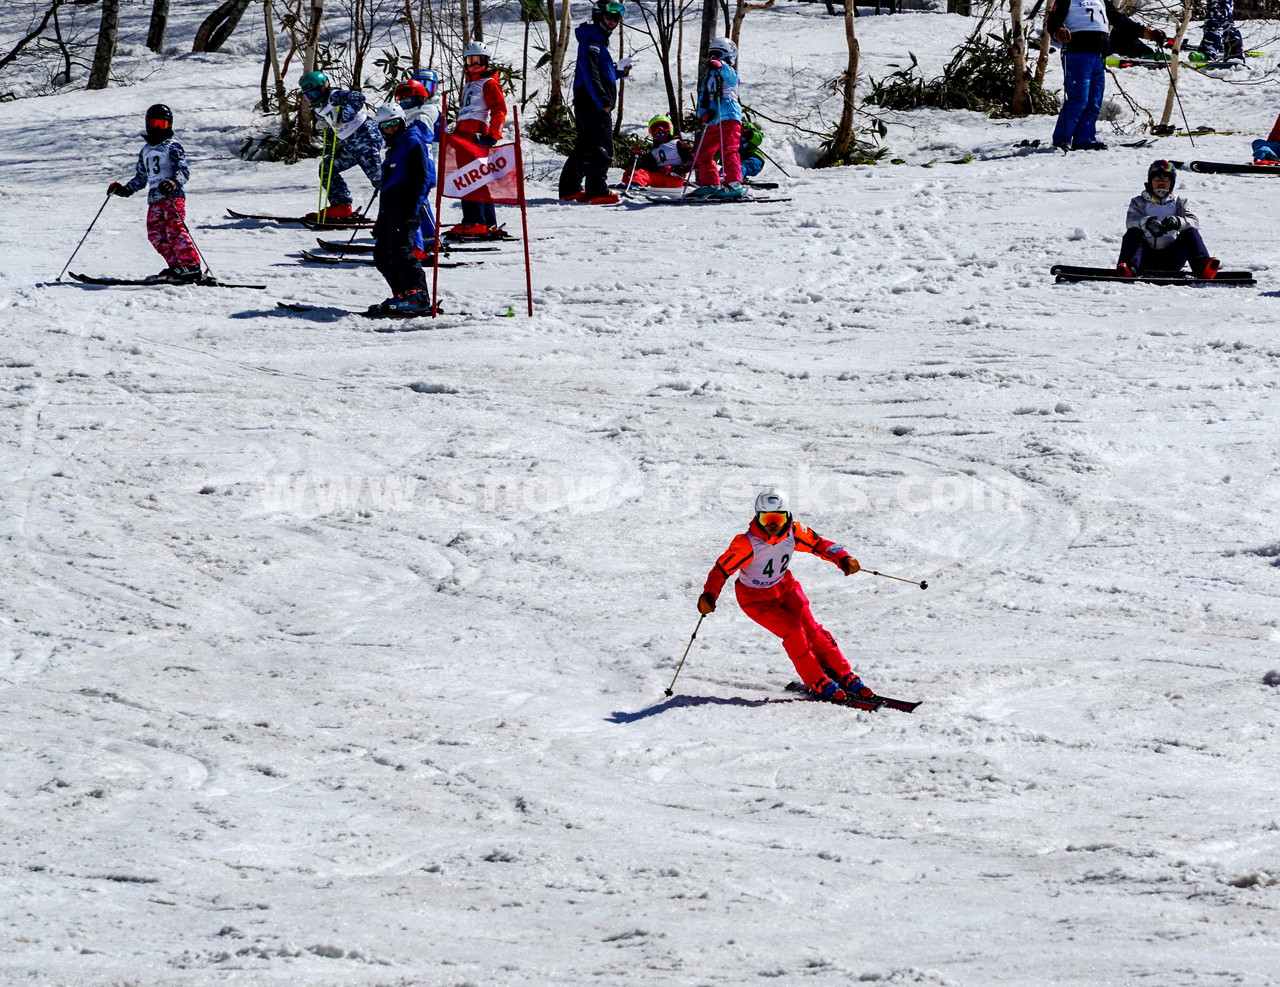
{"points": [[1124, 271], [854, 686], [331, 214], [733, 190], [1208, 268], [827, 688], [415, 301], [704, 191]]}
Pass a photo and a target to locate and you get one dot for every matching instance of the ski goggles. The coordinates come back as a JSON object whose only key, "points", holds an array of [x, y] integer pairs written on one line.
{"points": [[389, 126], [660, 129], [313, 95], [408, 102], [158, 124], [768, 519]]}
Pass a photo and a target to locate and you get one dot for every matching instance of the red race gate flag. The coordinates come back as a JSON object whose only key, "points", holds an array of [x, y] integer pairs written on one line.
{"points": [[480, 174]]}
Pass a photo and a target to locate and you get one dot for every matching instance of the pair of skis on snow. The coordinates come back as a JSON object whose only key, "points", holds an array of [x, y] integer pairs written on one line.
{"points": [[1066, 274], [870, 704], [365, 223]]}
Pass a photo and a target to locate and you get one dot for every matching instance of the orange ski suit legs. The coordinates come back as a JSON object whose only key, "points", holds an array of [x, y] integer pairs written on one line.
{"points": [[784, 610]]}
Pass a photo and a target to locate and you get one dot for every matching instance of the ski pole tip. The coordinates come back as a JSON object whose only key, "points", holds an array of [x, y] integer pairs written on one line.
{"points": [[924, 584], [667, 691]]}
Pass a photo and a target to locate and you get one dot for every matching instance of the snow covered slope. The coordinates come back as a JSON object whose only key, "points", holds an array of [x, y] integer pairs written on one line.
{"points": [[336, 657]]}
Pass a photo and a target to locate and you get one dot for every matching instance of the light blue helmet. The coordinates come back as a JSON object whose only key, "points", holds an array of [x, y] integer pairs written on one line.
{"points": [[430, 80]]}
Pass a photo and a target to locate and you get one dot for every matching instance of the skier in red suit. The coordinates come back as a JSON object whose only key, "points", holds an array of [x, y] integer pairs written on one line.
{"points": [[771, 596]]}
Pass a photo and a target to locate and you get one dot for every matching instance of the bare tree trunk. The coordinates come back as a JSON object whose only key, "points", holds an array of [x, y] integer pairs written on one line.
{"points": [[524, 64], [1042, 63], [273, 61], [1020, 104], [709, 8], [843, 143], [464, 20], [1172, 94], [108, 30], [477, 18], [559, 49], [310, 45], [622, 84], [740, 13], [159, 22], [219, 25], [678, 115], [431, 23], [62, 46], [361, 34]]}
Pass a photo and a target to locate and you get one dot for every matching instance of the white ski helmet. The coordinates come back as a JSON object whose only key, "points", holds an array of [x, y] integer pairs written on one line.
{"points": [[477, 48], [723, 49], [388, 113], [772, 500]]}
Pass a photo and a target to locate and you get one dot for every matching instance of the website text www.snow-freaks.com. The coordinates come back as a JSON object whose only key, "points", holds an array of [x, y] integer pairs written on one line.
{"points": [[664, 491]]}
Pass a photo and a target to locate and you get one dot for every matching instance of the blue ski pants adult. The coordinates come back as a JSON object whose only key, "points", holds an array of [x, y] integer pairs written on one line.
{"points": [[1084, 77]]}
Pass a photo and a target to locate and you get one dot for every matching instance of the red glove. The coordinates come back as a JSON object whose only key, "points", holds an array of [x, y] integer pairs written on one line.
{"points": [[706, 603]]}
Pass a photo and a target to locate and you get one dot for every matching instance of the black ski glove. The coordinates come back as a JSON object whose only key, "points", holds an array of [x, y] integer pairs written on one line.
{"points": [[167, 186], [1154, 225], [1172, 224], [115, 188]]}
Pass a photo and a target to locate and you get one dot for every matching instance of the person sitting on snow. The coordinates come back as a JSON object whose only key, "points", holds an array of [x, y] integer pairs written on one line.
{"points": [[749, 150], [665, 164], [1268, 151], [1162, 234]]}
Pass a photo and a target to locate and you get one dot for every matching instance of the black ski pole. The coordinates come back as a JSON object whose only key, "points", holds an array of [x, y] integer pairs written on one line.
{"points": [[923, 584], [83, 238], [775, 163], [203, 263], [686, 653], [365, 213], [1176, 95]]}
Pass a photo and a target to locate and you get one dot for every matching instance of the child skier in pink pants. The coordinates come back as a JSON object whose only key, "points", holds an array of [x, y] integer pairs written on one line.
{"points": [[162, 170]]}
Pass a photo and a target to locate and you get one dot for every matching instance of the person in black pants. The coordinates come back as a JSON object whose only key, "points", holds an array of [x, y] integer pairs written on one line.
{"points": [[407, 177], [595, 94]]}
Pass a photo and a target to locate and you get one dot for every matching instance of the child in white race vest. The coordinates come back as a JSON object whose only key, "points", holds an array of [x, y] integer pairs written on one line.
{"points": [[482, 110], [771, 596]]}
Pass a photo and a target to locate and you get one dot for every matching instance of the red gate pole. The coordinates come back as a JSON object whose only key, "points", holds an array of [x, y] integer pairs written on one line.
{"points": [[435, 259], [524, 213]]}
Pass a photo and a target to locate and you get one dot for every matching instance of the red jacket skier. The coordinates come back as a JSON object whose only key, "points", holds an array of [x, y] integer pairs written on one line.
{"points": [[771, 596]]}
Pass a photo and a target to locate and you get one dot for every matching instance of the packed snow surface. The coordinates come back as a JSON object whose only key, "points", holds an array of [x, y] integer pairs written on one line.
{"points": [[337, 657]]}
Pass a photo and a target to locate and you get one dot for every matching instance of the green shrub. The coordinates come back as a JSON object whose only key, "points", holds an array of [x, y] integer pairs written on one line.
{"points": [[979, 77]]}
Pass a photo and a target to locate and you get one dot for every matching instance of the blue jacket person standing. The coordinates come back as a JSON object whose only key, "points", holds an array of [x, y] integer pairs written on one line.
{"points": [[407, 178], [595, 94]]}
